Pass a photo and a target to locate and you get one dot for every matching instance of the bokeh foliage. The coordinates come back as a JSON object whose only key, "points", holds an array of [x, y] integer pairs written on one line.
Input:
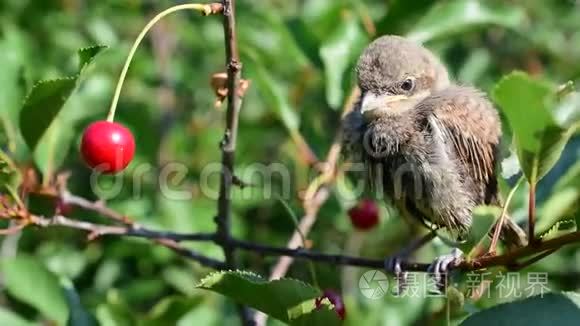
{"points": [[299, 56]]}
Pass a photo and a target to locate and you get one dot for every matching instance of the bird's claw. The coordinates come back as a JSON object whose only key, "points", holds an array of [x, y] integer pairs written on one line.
{"points": [[441, 266], [393, 265]]}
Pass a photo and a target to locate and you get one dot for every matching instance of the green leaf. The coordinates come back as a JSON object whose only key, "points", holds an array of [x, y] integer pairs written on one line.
{"points": [[42, 105], [284, 299], [14, 55], [339, 52], [79, 316], [9, 318], [563, 202], [561, 309], [29, 281], [560, 228], [539, 139], [450, 17], [53, 147], [484, 218], [86, 55], [557, 208], [275, 96], [47, 98]]}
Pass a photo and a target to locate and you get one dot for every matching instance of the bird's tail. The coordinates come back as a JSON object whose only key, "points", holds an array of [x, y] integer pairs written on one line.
{"points": [[512, 234]]}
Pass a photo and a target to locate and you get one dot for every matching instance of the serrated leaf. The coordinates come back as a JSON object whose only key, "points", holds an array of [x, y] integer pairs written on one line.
{"points": [[562, 227], [556, 209], [276, 98], [276, 298], [29, 281], [561, 309], [339, 52], [46, 99], [539, 139], [86, 55], [483, 218], [42, 105], [450, 17]]}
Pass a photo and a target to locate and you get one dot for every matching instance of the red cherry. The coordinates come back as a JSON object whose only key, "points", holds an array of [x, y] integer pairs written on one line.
{"points": [[365, 215], [336, 301], [107, 146]]}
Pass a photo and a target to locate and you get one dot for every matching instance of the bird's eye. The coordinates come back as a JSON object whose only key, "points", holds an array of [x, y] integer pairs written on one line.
{"points": [[407, 85]]}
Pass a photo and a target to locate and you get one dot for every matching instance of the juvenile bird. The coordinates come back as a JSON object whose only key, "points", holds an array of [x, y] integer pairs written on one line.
{"points": [[430, 145]]}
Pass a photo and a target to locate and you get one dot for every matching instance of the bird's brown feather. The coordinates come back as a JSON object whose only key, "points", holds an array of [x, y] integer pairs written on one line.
{"points": [[472, 125]]}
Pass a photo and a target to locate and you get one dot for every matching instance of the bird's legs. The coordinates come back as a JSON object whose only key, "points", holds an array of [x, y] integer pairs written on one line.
{"points": [[438, 269], [393, 263], [441, 265]]}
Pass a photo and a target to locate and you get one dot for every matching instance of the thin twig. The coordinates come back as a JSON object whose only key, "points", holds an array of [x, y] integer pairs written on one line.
{"points": [[97, 206], [228, 144], [96, 230], [265, 250]]}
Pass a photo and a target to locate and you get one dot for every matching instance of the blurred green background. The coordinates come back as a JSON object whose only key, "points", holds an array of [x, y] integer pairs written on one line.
{"points": [[299, 56]]}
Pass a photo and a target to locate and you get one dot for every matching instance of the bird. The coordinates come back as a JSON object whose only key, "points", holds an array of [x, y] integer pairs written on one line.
{"points": [[428, 144]]}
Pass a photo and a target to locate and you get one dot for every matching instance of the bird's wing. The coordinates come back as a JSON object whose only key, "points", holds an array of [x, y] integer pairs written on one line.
{"points": [[471, 124]]}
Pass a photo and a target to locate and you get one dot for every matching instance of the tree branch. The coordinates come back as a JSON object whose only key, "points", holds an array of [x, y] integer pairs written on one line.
{"points": [[171, 239], [166, 239], [228, 144], [265, 250]]}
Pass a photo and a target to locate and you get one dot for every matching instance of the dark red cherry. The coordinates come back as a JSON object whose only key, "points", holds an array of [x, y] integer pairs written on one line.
{"points": [[365, 215]]}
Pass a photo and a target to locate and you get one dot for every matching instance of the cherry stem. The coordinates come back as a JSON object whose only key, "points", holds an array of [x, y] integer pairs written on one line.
{"points": [[205, 9]]}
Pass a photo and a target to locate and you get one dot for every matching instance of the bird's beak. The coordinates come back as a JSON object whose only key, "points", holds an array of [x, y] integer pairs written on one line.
{"points": [[372, 102]]}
